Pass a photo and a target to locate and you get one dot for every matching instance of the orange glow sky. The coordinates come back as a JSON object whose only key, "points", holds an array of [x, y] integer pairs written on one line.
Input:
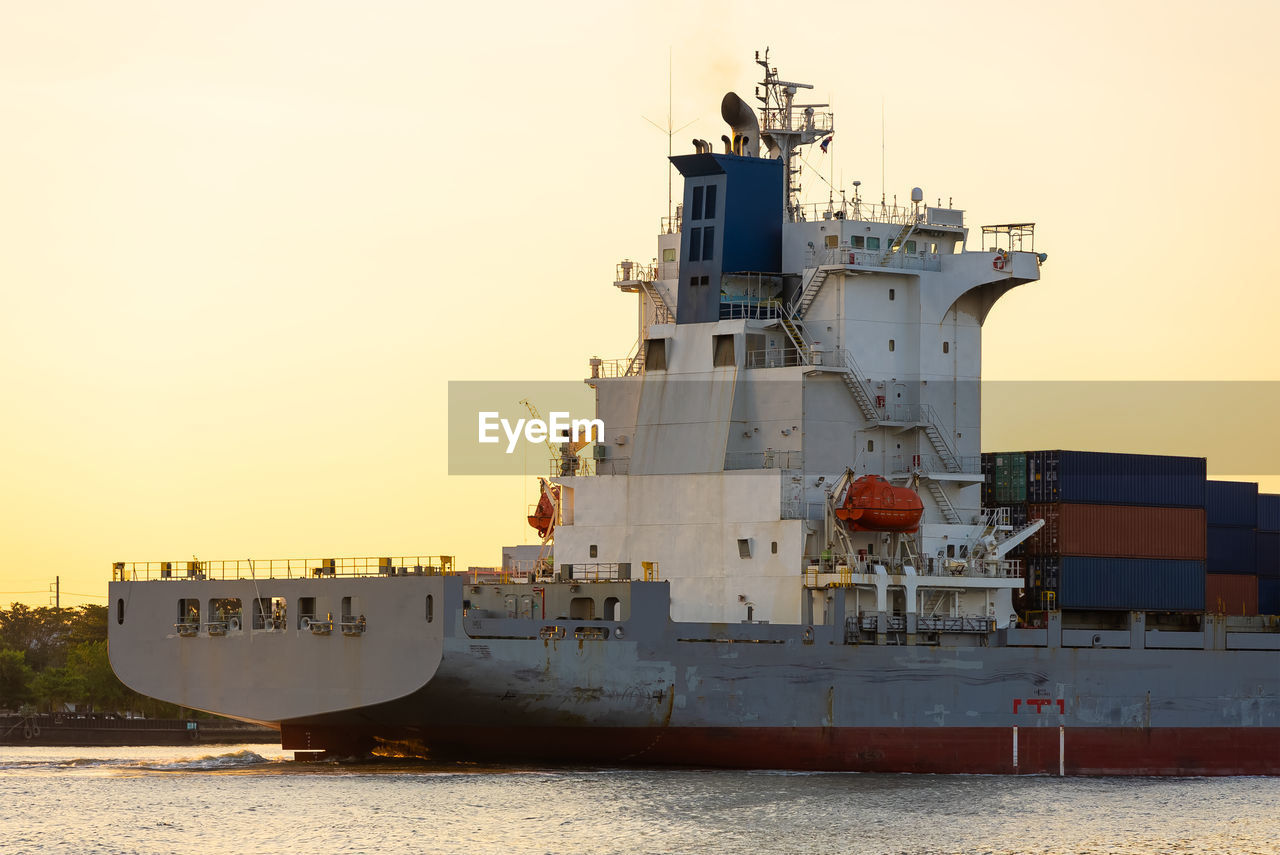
{"points": [[246, 245]]}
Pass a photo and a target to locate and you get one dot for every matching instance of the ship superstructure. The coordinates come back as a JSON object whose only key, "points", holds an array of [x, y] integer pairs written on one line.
{"points": [[780, 557], [781, 344]]}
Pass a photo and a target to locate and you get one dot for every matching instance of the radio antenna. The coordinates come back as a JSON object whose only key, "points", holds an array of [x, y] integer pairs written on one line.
{"points": [[671, 132]]}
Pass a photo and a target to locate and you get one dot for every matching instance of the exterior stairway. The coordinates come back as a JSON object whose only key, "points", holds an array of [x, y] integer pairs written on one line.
{"points": [[897, 243], [809, 291], [949, 511]]}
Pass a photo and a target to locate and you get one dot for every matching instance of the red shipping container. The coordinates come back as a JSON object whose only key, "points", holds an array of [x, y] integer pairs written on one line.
{"points": [[1118, 531], [1231, 594]]}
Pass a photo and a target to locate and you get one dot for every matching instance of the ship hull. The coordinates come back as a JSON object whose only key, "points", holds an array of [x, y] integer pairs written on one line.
{"points": [[1049, 750], [476, 683]]}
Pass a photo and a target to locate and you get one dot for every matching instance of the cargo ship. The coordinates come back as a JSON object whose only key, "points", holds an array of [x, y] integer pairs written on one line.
{"points": [[785, 551]]}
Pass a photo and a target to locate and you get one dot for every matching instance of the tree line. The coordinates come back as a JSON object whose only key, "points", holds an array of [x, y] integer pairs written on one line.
{"points": [[50, 657]]}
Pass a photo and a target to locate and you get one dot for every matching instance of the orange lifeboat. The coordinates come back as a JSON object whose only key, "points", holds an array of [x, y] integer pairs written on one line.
{"points": [[873, 504], [543, 517]]}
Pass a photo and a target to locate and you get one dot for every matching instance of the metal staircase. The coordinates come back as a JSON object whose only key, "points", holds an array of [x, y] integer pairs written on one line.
{"points": [[897, 243], [928, 422], [809, 291], [662, 313], [949, 511]]}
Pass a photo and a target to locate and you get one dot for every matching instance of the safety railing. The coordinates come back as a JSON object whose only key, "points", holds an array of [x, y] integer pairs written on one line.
{"points": [[634, 271], [614, 466], [798, 509], [768, 459], [764, 310], [859, 211], [779, 357], [901, 464], [604, 571], [796, 119], [990, 568], [607, 368], [282, 568], [848, 256]]}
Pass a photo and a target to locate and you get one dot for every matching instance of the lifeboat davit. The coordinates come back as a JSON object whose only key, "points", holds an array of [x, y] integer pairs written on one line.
{"points": [[543, 517], [873, 504]]}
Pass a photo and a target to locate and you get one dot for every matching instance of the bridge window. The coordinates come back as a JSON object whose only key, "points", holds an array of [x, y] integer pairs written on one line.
{"points": [[669, 254], [910, 246], [857, 241], [696, 213], [832, 241], [708, 242], [873, 243], [710, 211], [695, 244]]}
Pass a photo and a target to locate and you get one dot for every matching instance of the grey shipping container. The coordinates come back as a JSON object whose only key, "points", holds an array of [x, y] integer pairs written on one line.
{"points": [[1139, 584], [1230, 550], [1115, 479], [1268, 512], [1232, 503]]}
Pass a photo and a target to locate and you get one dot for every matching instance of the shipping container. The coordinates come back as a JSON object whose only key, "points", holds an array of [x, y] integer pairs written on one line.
{"points": [[1009, 477], [1267, 554], [1231, 550], [1138, 584], [1268, 596], [1268, 512], [1118, 531], [1231, 594], [1232, 503], [1115, 479]]}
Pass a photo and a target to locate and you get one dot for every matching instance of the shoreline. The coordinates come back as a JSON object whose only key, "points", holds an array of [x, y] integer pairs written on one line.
{"points": [[109, 730]]}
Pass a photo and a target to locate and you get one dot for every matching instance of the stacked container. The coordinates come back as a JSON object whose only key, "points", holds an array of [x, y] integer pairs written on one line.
{"points": [[1232, 514], [1004, 485], [1267, 554], [1122, 531]]}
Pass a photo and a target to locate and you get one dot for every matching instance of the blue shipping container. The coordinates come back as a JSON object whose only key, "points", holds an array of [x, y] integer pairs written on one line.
{"points": [[1233, 503], [1268, 512], [1231, 550], [1269, 596], [1267, 554], [1140, 584], [1100, 478]]}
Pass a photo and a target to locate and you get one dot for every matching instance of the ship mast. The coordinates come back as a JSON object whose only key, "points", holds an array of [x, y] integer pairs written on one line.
{"points": [[785, 126]]}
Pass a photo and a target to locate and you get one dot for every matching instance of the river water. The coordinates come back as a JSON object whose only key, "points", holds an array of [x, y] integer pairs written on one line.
{"points": [[253, 798]]}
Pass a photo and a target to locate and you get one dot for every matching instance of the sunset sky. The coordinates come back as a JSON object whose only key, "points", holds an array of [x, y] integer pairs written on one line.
{"points": [[246, 245]]}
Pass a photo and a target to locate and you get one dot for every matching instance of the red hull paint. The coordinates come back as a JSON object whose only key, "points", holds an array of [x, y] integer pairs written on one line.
{"points": [[954, 750]]}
